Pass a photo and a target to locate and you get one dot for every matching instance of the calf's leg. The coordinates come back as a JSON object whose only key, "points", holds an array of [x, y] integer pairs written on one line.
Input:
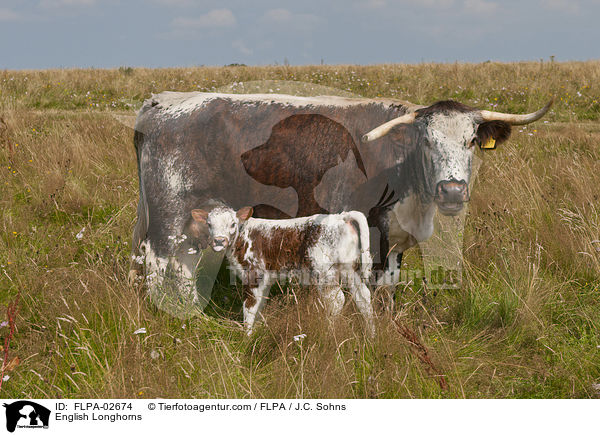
{"points": [[330, 292], [362, 297], [333, 299], [254, 301]]}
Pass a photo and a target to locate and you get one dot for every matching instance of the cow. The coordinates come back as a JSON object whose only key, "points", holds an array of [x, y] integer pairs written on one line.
{"points": [[289, 156], [323, 250]]}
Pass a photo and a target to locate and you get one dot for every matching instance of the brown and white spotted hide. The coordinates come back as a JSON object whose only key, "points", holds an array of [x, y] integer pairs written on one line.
{"points": [[325, 251]]}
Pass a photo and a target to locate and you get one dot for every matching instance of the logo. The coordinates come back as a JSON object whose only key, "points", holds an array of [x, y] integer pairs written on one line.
{"points": [[26, 414]]}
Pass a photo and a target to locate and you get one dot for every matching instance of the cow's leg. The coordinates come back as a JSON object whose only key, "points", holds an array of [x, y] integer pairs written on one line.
{"points": [[171, 280], [391, 274], [156, 267], [389, 279], [386, 261], [136, 268], [255, 297], [362, 297], [183, 267], [396, 275], [384, 246]]}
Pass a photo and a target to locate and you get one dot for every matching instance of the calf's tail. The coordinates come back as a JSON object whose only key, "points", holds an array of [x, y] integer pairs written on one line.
{"points": [[366, 261]]}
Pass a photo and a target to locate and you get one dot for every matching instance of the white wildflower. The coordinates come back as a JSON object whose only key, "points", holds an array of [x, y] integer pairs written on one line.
{"points": [[79, 235], [192, 251], [299, 337], [6, 378], [138, 259], [140, 331], [178, 238], [154, 354]]}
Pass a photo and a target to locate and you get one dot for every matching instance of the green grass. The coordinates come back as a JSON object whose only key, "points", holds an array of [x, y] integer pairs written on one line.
{"points": [[523, 323]]}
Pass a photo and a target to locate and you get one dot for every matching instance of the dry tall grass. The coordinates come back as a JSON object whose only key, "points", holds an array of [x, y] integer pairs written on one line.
{"points": [[524, 323]]}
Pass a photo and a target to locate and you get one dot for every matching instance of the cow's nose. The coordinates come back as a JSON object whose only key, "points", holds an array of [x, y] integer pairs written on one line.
{"points": [[452, 191]]}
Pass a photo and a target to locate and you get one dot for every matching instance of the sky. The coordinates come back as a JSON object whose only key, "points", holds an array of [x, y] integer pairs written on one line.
{"points": [[39, 34]]}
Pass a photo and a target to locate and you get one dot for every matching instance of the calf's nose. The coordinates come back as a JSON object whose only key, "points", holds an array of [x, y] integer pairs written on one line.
{"points": [[220, 241]]}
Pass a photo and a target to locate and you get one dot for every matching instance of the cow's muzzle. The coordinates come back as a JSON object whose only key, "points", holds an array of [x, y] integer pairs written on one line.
{"points": [[450, 195], [220, 243]]}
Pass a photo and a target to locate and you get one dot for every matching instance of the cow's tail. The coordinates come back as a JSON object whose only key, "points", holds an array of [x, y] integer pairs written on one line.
{"points": [[141, 226], [366, 261]]}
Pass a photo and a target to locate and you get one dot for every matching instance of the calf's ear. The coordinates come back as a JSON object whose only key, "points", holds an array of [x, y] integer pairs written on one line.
{"points": [[199, 215], [492, 133], [244, 213]]}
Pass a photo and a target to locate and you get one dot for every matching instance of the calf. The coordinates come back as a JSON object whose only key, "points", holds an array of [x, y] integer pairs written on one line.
{"points": [[327, 251]]}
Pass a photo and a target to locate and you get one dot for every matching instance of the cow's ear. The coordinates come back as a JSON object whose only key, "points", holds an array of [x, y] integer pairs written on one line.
{"points": [[244, 213], [492, 133], [199, 215], [405, 139], [405, 135]]}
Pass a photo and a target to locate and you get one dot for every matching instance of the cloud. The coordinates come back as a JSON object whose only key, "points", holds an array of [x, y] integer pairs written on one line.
{"points": [[372, 4], [278, 16], [51, 4], [284, 18], [386, 6], [213, 19], [8, 15], [570, 6], [241, 46], [435, 4], [174, 3], [480, 7]]}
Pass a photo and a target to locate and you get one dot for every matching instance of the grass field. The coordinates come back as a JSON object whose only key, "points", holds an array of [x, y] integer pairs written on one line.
{"points": [[524, 323]]}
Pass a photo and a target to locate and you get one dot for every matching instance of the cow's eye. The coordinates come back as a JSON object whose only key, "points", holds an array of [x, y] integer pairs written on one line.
{"points": [[232, 225]]}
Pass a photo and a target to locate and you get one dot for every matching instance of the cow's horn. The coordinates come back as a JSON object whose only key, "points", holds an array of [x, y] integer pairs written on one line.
{"points": [[384, 129], [486, 115]]}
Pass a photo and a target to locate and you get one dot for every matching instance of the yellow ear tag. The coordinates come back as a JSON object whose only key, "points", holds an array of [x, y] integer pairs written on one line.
{"points": [[490, 144]]}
